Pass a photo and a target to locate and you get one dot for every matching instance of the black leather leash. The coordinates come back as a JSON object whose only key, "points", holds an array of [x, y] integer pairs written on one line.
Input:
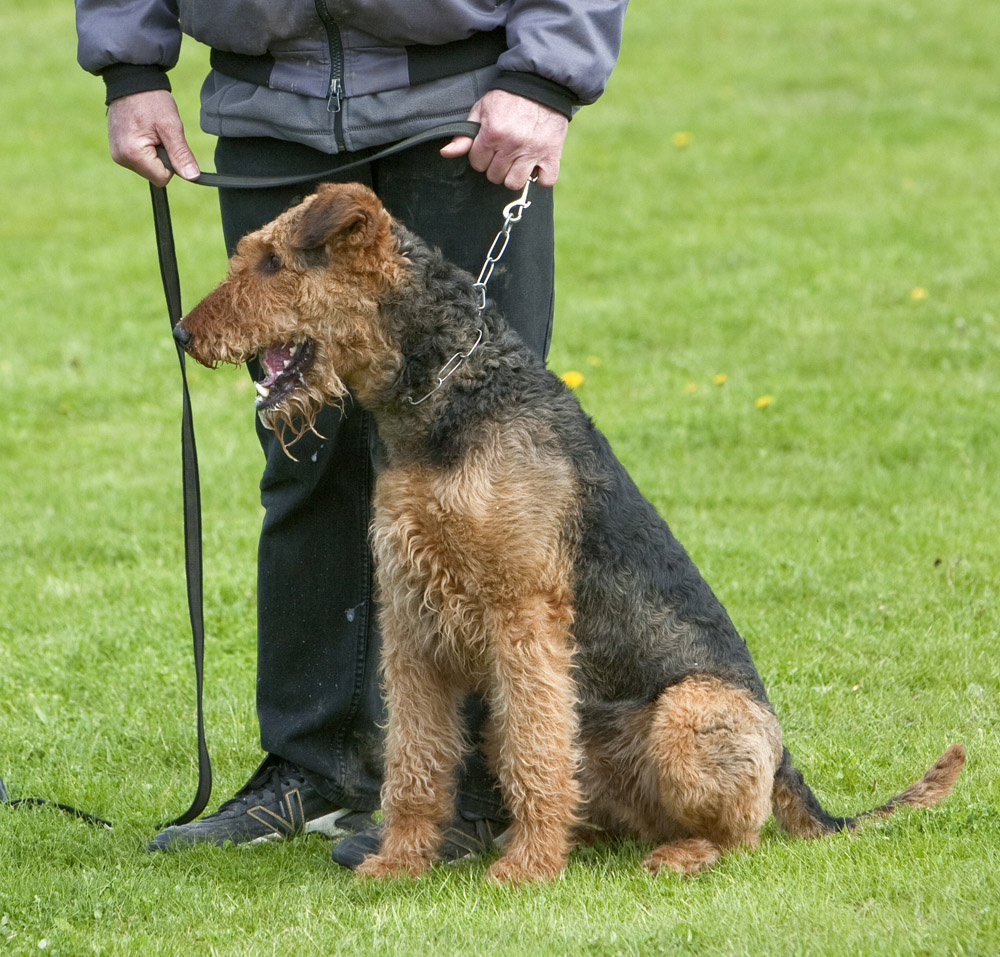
{"points": [[170, 276], [226, 181], [76, 812]]}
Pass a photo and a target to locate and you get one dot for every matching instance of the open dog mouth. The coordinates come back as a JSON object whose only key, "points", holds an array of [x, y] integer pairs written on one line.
{"points": [[285, 366]]}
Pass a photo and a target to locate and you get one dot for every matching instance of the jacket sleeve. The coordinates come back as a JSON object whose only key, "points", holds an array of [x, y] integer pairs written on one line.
{"points": [[129, 43], [561, 52]]}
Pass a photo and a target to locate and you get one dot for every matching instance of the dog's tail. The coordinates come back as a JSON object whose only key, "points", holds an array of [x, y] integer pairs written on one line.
{"points": [[800, 814]]}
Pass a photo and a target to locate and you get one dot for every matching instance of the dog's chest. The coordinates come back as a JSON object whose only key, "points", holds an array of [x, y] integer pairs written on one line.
{"points": [[459, 551]]}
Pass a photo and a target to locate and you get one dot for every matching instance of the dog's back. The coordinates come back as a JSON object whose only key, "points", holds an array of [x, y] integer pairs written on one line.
{"points": [[645, 617]]}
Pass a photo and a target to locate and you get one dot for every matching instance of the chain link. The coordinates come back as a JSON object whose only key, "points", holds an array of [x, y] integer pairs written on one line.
{"points": [[512, 213]]}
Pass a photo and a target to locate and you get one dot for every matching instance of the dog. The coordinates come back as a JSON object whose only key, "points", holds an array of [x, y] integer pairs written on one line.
{"points": [[515, 558]]}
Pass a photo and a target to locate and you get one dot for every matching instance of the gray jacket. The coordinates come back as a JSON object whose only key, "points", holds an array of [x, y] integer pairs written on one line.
{"points": [[345, 74]]}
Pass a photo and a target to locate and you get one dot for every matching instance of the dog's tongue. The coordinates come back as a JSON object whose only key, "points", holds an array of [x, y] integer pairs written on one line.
{"points": [[275, 361]]}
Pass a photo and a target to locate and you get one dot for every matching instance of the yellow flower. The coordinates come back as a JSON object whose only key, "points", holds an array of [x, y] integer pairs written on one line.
{"points": [[681, 139], [720, 378], [918, 293], [572, 379], [691, 388], [764, 401], [593, 360]]}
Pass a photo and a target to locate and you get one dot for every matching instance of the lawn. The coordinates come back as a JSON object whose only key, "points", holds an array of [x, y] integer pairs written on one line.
{"points": [[777, 242]]}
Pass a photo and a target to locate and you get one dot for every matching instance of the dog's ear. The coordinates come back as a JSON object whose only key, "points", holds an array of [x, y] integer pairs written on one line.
{"points": [[336, 213]]}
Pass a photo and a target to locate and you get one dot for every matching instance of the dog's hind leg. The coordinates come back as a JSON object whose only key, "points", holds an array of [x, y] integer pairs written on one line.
{"points": [[533, 731], [715, 751], [424, 745]]}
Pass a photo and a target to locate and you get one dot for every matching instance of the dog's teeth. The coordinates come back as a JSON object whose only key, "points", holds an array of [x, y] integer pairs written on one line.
{"points": [[288, 362], [262, 390]]}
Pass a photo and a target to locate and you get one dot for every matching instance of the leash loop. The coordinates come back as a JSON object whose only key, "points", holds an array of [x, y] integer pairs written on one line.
{"points": [[191, 487], [169, 274], [228, 181]]}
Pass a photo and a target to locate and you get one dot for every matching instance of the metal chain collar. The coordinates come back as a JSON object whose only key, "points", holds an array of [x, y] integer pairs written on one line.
{"points": [[512, 213]]}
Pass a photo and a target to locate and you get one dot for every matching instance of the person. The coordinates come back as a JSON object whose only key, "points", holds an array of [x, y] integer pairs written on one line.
{"points": [[297, 88]]}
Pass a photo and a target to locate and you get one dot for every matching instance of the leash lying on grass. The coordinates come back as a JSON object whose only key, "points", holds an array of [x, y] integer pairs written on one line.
{"points": [[170, 277], [89, 818]]}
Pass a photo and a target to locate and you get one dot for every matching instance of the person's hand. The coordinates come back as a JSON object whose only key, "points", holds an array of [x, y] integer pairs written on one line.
{"points": [[139, 123], [517, 136]]}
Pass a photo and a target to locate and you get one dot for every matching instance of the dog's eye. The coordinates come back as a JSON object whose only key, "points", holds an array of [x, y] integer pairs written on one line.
{"points": [[270, 263]]}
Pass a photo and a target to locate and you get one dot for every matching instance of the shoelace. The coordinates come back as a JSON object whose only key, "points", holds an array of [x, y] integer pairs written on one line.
{"points": [[267, 786]]}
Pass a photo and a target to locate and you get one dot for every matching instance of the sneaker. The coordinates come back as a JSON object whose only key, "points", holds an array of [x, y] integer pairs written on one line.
{"points": [[466, 837], [278, 801]]}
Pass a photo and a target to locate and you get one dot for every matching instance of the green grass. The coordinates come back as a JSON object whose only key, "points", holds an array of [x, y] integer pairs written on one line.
{"points": [[841, 155]]}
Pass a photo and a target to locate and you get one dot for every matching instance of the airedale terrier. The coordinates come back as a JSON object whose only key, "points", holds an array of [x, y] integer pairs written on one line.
{"points": [[516, 558]]}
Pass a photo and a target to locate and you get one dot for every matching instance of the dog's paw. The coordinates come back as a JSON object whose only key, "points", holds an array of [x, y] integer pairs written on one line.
{"points": [[510, 871], [381, 866], [685, 857]]}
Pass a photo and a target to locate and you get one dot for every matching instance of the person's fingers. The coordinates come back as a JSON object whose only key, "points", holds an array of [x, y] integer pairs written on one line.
{"points": [[547, 171], [138, 155], [181, 157], [514, 172], [459, 146], [517, 136], [138, 124]]}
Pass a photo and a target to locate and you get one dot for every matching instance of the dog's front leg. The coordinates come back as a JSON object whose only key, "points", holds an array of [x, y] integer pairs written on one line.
{"points": [[533, 730], [423, 749]]}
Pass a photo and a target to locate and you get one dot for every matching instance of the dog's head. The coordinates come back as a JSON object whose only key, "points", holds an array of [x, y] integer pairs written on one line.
{"points": [[302, 295]]}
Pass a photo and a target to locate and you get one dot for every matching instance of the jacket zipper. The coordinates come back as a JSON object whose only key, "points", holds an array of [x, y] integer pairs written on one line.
{"points": [[335, 96]]}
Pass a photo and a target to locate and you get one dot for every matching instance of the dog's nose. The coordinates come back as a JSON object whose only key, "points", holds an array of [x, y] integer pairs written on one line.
{"points": [[182, 336]]}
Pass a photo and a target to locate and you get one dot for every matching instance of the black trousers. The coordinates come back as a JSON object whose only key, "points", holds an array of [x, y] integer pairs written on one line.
{"points": [[318, 699]]}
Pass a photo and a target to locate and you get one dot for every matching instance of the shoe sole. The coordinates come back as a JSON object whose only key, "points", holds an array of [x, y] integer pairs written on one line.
{"points": [[327, 825]]}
